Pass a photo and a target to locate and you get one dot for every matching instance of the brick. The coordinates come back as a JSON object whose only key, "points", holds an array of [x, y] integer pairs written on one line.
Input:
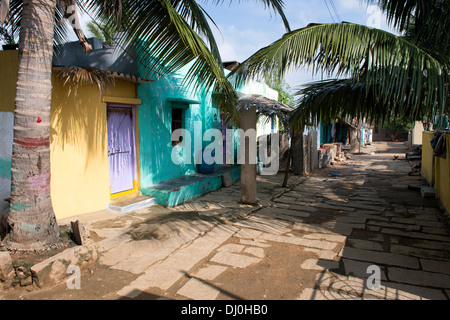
{"points": [[248, 233], [407, 227], [295, 207], [283, 212], [384, 258], [416, 235], [365, 244], [254, 243], [324, 236], [198, 290], [257, 252], [318, 244], [420, 278], [432, 230], [436, 266], [424, 223], [359, 269], [416, 252]]}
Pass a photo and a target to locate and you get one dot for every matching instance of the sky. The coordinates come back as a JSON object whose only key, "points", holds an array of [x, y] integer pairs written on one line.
{"points": [[244, 27], [247, 26]]}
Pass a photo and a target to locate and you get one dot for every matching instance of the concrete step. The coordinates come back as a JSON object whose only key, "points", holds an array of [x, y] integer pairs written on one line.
{"points": [[129, 205]]}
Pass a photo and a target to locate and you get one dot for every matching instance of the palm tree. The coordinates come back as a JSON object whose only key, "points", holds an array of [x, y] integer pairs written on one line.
{"points": [[104, 33], [169, 33], [31, 220], [398, 75]]}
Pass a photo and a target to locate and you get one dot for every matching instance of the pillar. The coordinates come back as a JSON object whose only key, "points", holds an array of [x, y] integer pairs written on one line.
{"points": [[248, 120]]}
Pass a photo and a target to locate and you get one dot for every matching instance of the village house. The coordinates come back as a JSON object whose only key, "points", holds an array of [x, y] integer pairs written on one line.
{"points": [[111, 131]]}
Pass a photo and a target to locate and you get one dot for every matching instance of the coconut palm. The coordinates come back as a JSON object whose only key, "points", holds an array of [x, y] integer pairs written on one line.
{"points": [[169, 35], [405, 75], [100, 31]]}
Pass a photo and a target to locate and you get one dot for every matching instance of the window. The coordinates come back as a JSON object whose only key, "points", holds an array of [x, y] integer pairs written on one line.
{"points": [[177, 123]]}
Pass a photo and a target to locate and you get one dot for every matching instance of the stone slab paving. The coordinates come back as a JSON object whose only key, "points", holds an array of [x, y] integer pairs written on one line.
{"points": [[338, 229], [164, 274]]}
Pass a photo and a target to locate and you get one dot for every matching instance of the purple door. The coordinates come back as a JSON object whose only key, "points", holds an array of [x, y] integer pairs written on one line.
{"points": [[121, 148]]}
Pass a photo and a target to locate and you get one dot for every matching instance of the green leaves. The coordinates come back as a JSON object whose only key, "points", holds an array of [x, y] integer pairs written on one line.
{"points": [[395, 70], [426, 20], [170, 34]]}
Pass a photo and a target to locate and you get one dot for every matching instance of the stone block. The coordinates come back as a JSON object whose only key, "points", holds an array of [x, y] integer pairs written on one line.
{"points": [[227, 180], [419, 278], [53, 269], [384, 258], [198, 290], [234, 260], [6, 266]]}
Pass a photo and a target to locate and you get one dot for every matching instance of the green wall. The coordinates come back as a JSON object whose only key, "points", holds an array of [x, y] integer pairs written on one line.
{"points": [[155, 126]]}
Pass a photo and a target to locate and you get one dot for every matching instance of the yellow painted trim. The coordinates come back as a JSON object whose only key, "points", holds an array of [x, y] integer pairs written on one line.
{"points": [[138, 149], [121, 100], [117, 195]]}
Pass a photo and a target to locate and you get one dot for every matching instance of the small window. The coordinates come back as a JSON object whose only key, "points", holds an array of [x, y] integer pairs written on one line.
{"points": [[177, 123]]}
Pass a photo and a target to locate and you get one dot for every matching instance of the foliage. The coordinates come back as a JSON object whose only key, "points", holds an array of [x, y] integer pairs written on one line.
{"points": [[385, 73], [397, 128], [6, 37], [281, 87], [103, 32]]}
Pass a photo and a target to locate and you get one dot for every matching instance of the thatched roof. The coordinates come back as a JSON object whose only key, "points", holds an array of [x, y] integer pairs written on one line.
{"points": [[264, 106], [75, 76]]}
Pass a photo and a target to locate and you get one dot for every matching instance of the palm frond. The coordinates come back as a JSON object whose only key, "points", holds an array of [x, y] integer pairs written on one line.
{"points": [[166, 42], [75, 77], [428, 19], [94, 29], [398, 69], [335, 98], [61, 29]]}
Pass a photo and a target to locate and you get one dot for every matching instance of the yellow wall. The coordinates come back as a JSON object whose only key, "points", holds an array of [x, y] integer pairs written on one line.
{"points": [[437, 170], [443, 177], [8, 78], [427, 157], [79, 148], [79, 139]]}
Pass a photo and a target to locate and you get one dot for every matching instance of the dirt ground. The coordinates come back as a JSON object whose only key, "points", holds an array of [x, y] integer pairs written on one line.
{"points": [[281, 262]]}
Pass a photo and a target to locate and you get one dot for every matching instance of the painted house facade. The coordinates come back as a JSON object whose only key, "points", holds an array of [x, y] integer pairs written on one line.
{"points": [[79, 138], [113, 140]]}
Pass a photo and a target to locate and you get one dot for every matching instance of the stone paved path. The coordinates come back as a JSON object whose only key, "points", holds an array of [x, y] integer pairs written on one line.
{"points": [[317, 239]]}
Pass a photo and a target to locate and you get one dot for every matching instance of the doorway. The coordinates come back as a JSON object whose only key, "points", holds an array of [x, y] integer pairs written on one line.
{"points": [[121, 149]]}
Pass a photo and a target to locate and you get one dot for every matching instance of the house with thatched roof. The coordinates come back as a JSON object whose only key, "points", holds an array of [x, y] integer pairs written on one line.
{"points": [[85, 91], [111, 131]]}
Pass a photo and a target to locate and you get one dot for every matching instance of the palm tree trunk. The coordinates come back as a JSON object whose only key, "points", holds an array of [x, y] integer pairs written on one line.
{"points": [[31, 222]]}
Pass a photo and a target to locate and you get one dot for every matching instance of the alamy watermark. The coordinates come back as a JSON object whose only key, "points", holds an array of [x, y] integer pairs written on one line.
{"points": [[221, 149], [74, 280], [374, 280]]}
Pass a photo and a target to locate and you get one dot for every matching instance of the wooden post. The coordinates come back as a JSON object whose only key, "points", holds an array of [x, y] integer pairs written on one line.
{"points": [[248, 171]]}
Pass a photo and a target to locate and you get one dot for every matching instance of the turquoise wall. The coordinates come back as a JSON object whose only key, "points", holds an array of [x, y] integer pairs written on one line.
{"points": [[5, 168], [155, 126]]}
